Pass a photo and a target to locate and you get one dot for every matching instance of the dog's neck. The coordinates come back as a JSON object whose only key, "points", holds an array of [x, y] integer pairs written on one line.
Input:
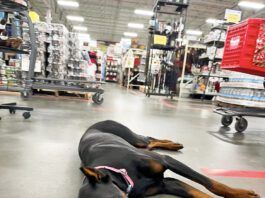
{"points": [[116, 179]]}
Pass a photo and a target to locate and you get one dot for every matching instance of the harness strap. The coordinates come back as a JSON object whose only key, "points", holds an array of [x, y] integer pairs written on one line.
{"points": [[124, 173]]}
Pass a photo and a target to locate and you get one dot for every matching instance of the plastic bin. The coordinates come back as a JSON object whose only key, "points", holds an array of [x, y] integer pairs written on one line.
{"points": [[240, 47]]}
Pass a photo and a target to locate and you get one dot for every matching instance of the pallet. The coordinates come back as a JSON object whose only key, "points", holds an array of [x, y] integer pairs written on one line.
{"points": [[56, 93]]}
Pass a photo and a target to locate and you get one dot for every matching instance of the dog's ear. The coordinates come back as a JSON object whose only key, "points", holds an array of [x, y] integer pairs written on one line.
{"points": [[94, 175]]}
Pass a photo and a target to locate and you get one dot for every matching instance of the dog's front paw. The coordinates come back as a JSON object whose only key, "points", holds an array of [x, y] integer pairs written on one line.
{"points": [[239, 193]]}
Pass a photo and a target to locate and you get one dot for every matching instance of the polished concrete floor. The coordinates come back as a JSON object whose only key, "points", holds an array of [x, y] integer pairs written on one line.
{"points": [[38, 157]]}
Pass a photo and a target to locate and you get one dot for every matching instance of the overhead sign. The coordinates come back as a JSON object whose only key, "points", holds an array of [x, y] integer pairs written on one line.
{"points": [[233, 16]]}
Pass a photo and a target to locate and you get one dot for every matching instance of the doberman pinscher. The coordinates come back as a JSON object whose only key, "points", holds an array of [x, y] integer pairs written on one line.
{"points": [[119, 163]]}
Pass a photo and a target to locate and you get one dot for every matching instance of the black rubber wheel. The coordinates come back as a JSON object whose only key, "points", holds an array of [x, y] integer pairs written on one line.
{"points": [[241, 125], [227, 120], [12, 111], [26, 115], [94, 97], [98, 98]]}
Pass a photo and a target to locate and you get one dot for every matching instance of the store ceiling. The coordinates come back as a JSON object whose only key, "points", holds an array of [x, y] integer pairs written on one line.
{"points": [[108, 19]]}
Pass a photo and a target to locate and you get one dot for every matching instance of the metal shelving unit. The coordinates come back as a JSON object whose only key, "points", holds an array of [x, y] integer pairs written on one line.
{"points": [[217, 43], [155, 83], [10, 6]]}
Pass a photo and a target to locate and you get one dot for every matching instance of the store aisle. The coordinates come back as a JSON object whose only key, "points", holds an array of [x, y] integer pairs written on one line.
{"points": [[38, 157]]}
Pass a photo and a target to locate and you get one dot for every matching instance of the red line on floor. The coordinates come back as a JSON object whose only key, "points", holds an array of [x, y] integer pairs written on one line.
{"points": [[234, 173], [167, 104]]}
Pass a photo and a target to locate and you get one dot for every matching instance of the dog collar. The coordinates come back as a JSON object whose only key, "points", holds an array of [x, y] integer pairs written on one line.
{"points": [[125, 175]]}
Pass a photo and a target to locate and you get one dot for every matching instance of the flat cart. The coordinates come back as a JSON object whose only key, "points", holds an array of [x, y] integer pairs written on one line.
{"points": [[239, 113], [72, 85]]}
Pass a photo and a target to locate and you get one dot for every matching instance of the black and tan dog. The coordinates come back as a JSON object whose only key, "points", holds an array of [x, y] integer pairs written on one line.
{"points": [[108, 148]]}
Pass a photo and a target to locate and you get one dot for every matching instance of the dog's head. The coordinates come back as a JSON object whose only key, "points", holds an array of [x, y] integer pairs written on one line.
{"points": [[98, 185]]}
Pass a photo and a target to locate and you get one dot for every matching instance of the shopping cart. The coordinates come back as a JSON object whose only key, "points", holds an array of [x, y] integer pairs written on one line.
{"points": [[228, 114], [239, 55]]}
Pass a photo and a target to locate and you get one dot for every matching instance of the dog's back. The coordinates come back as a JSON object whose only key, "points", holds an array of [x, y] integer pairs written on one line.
{"points": [[96, 146]]}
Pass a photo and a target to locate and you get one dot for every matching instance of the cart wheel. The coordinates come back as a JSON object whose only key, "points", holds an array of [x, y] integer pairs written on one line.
{"points": [[12, 111], [98, 98], [26, 115], [227, 120], [241, 125]]}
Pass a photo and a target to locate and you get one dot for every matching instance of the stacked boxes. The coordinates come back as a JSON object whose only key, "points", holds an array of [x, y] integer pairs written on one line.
{"points": [[243, 89]]}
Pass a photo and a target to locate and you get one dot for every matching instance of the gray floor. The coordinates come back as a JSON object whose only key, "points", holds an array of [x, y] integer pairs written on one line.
{"points": [[38, 157]]}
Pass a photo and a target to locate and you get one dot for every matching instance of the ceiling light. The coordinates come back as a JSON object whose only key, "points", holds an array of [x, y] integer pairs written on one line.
{"points": [[194, 32], [68, 3], [84, 37], [144, 12], [252, 5], [136, 25], [75, 18], [214, 21], [130, 34], [80, 28]]}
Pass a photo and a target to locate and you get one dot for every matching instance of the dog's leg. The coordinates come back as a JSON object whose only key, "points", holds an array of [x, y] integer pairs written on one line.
{"points": [[164, 144], [172, 186], [134, 139], [213, 186]]}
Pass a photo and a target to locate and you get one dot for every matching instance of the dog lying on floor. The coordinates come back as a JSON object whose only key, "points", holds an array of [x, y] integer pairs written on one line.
{"points": [[118, 163]]}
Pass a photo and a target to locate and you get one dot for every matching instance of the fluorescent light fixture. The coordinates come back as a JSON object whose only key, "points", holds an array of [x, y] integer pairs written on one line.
{"points": [[252, 5], [75, 18], [136, 25], [126, 39], [144, 12], [84, 35], [68, 3], [80, 28], [194, 32], [130, 34], [214, 21]]}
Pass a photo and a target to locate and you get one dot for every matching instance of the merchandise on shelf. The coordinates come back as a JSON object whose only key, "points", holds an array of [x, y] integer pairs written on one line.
{"points": [[10, 37], [59, 52], [209, 75], [217, 35], [42, 32], [113, 65], [9, 74], [76, 65]]}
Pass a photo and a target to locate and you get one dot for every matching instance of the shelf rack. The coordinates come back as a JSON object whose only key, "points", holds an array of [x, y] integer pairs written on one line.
{"points": [[10, 6], [161, 7], [217, 43]]}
